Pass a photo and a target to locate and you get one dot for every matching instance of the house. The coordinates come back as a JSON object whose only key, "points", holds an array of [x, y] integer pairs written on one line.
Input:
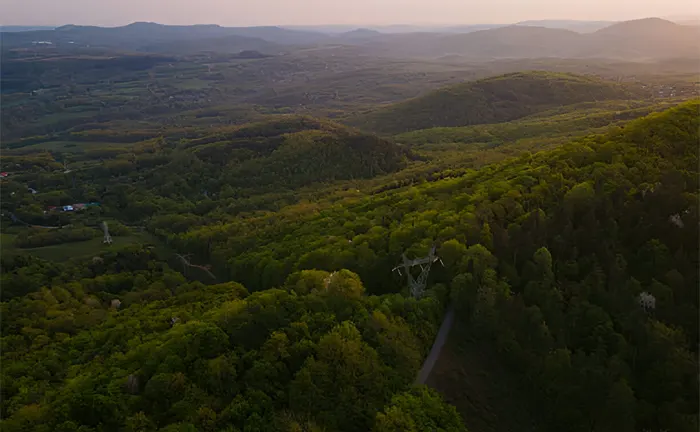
{"points": [[68, 208], [4, 174]]}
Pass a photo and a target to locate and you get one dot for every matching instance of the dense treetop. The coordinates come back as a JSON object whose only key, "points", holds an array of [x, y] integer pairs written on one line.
{"points": [[249, 286]]}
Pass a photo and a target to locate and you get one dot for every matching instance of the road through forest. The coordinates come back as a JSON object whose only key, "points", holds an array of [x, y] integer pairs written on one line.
{"points": [[440, 340]]}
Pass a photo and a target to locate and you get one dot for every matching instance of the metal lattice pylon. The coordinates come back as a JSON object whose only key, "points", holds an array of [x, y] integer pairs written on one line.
{"points": [[108, 238], [417, 286]]}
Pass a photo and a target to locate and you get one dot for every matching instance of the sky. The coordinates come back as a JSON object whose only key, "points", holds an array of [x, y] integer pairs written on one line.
{"points": [[317, 12]]}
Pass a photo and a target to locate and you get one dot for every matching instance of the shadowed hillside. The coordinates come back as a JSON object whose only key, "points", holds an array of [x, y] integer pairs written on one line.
{"points": [[296, 151], [491, 100]]}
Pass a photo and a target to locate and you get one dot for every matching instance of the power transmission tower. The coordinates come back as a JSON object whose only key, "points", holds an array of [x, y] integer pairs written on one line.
{"points": [[417, 286], [108, 238]]}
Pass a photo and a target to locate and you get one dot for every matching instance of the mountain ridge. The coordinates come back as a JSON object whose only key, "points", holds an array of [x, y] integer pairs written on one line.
{"points": [[491, 100], [644, 39]]}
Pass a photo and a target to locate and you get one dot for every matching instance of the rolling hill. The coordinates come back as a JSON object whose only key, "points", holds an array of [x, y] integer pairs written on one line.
{"points": [[642, 39], [295, 151], [492, 100]]}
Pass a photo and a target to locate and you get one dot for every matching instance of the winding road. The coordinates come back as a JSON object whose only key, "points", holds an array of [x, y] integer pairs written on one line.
{"points": [[440, 340]]}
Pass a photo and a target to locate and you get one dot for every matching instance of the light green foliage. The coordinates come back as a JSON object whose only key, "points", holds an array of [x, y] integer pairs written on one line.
{"points": [[420, 409], [307, 281], [345, 283], [206, 357]]}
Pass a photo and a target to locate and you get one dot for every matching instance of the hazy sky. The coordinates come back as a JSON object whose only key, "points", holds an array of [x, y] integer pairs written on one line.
{"points": [[297, 12]]}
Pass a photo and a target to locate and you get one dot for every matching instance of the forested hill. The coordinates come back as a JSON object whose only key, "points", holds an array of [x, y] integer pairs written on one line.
{"points": [[290, 151], [200, 228], [546, 258], [490, 100]]}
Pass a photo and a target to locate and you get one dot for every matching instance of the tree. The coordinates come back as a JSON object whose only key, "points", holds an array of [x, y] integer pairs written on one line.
{"points": [[619, 409], [580, 197], [307, 281], [340, 386], [452, 252], [486, 237], [345, 283], [419, 409]]}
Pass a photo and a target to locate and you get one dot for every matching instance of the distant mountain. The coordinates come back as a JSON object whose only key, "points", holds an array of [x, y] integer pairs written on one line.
{"points": [[498, 43], [573, 25], [361, 32], [279, 35], [359, 35], [640, 40], [232, 44], [648, 39], [512, 42], [16, 28], [470, 28], [643, 39], [405, 28], [637, 28], [146, 36], [492, 100], [396, 28]]}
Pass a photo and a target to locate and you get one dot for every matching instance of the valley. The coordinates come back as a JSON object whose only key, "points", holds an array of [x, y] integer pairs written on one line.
{"points": [[259, 185]]}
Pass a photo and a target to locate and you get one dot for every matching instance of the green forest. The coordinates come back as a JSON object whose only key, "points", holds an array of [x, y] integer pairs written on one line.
{"points": [[182, 251]]}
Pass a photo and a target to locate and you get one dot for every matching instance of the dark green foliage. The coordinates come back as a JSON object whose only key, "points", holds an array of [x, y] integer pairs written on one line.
{"points": [[296, 151], [545, 257], [42, 237], [568, 121], [548, 255], [490, 100]]}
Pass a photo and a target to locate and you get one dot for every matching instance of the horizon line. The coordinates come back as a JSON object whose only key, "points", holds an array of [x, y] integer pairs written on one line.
{"points": [[358, 25]]}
